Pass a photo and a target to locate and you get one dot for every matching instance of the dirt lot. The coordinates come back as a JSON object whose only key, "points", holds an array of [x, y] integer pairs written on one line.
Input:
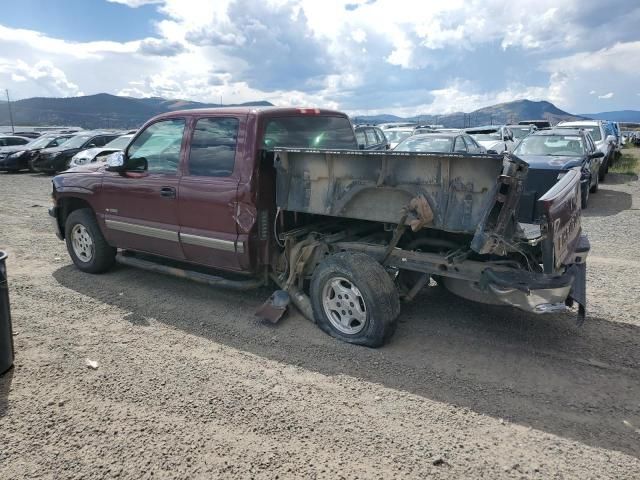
{"points": [[190, 385]]}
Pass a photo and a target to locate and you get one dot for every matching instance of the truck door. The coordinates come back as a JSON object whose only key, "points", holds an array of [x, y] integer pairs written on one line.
{"points": [[140, 205], [208, 193]]}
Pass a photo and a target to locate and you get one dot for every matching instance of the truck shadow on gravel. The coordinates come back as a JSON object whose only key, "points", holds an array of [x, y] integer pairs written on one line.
{"points": [[5, 389], [607, 202], [538, 371]]}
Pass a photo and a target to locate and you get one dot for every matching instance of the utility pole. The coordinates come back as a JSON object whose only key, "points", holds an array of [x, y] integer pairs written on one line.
{"points": [[13, 130]]}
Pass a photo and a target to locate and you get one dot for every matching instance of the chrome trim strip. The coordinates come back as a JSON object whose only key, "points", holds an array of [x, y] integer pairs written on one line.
{"points": [[217, 243], [142, 230]]}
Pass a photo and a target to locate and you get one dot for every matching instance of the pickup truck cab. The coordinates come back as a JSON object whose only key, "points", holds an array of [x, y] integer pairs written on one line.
{"points": [[283, 196]]}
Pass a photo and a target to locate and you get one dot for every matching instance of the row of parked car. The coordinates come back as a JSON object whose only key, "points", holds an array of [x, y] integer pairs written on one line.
{"points": [[590, 145], [58, 151]]}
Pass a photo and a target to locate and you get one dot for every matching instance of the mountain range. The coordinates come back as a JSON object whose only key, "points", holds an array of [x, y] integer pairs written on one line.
{"points": [[502, 113], [98, 111], [111, 111]]}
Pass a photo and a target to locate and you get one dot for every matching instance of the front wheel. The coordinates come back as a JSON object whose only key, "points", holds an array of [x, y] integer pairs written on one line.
{"points": [[354, 299], [596, 186], [584, 193], [86, 245]]}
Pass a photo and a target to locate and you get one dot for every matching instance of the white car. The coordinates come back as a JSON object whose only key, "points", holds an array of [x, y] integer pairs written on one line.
{"points": [[493, 137], [604, 143], [99, 154], [397, 135]]}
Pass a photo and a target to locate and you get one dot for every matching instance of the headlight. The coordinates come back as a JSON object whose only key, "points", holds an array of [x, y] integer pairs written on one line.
{"points": [[16, 154], [79, 161], [561, 174]]}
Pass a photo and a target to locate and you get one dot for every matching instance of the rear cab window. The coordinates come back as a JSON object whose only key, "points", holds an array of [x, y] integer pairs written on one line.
{"points": [[309, 131]]}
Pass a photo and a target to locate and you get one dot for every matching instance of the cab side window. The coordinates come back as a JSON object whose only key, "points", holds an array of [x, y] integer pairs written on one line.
{"points": [[213, 147], [157, 148]]}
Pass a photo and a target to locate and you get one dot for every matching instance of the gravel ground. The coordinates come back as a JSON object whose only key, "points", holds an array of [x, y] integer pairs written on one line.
{"points": [[190, 385]]}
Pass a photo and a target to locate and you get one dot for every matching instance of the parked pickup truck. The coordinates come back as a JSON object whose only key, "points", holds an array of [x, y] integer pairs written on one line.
{"points": [[283, 196]]}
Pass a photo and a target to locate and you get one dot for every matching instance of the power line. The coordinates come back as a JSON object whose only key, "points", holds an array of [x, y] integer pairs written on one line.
{"points": [[13, 130]]}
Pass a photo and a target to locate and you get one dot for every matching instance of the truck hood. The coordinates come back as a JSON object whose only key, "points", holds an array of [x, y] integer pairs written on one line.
{"points": [[550, 162], [12, 149], [497, 145]]}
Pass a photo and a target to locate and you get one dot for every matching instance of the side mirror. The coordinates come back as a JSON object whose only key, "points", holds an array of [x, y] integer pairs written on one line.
{"points": [[492, 152], [611, 139], [116, 162], [361, 146], [597, 154]]}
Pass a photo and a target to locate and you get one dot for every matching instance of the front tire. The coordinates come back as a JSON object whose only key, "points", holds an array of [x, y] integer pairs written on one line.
{"points": [[354, 299], [584, 193], [596, 186], [86, 245]]}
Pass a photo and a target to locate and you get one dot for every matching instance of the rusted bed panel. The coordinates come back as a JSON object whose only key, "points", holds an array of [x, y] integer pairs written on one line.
{"points": [[377, 186]]}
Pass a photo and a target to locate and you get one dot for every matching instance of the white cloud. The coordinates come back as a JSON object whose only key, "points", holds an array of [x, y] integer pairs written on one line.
{"points": [[43, 75], [414, 57], [135, 3], [606, 96]]}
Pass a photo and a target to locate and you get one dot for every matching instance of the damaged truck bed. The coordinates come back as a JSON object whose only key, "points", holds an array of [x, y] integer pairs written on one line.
{"points": [[448, 216]]}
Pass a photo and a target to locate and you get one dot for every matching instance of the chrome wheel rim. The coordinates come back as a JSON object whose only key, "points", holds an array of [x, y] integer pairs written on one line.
{"points": [[344, 305], [82, 243]]}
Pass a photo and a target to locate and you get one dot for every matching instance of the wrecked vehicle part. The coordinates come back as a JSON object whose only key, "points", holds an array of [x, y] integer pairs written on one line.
{"points": [[275, 306], [377, 186]]}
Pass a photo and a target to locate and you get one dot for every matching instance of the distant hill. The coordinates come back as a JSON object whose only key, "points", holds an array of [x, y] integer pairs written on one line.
{"points": [[97, 111], [510, 112], [632, 116]]}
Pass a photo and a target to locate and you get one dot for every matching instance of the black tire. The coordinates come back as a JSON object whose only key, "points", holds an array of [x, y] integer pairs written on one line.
{"points": [[596, 186], [103, 255], [602, 171], [584, 193], [381, 302]]}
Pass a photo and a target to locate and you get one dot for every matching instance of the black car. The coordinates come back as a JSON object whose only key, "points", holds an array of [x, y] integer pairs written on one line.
{"points": [[16, 158], [550, 155], [56, 159], [371, 138], [13, 140], [440, 142]]}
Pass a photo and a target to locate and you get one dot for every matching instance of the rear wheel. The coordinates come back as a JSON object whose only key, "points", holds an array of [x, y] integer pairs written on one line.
{"points": [[86, 245], [354, 299]]}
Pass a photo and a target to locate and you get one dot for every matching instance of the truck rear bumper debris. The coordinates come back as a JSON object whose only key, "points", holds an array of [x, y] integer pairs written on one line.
{"points": [[532, 292]]}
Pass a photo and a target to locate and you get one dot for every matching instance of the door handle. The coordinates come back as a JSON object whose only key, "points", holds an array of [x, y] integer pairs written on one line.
{"points": [[168, 192]]}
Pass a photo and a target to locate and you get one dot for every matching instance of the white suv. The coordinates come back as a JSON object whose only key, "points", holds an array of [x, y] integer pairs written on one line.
{"points": [[605, 144]]}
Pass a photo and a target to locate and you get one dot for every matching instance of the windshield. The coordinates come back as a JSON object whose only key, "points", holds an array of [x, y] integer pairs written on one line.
{"points": [[309, 132], [520, 132], [75, 142], [396, 136], [562, 145], [119, 143], [485, 135], [594, 131], [40, 142], [426, 144]]}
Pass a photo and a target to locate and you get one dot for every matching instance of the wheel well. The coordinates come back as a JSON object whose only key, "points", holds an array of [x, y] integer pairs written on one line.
{"points": [[68, 205]]}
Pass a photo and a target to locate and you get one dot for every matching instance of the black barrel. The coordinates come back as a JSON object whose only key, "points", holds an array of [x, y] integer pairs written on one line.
{"points": [[6, 333]]}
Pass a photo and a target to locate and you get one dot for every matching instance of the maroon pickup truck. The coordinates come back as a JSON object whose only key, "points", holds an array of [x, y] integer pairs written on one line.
{"points": [[243, 198]]}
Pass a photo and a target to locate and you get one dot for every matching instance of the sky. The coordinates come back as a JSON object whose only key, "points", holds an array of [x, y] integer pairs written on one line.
{"points": [[403, 57]]}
